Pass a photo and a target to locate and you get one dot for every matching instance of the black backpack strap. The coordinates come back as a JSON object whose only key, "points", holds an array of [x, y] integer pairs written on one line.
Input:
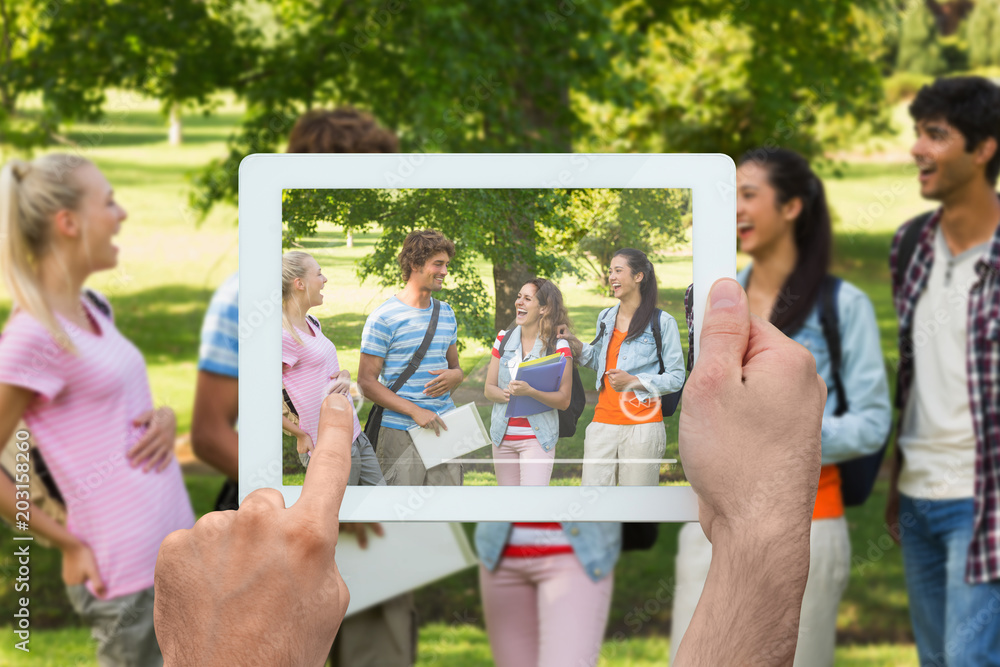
{"points": [[656, 337], [288, 402], [503, 341], [98, 302], [908, 245], [600, 334], [830, 320], [418, 356], [314, 321]]}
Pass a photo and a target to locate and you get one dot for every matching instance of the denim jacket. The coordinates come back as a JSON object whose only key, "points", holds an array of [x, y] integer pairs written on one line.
{"points": [[596, 545], [544, 424], [638, 356], [864, 427]]}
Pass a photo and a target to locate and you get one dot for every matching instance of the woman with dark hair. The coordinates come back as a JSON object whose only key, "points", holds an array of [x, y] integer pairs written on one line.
{"points": [[626, 439], [783, 223]]}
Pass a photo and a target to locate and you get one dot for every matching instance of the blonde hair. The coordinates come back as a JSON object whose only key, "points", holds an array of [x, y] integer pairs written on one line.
{"points": [[31, 193], [293, 265]]}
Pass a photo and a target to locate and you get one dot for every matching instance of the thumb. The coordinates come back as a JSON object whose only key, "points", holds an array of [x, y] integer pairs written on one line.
{"points": [[725, 332]]}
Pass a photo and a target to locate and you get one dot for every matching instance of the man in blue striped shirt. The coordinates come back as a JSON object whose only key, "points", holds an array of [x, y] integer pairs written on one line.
{"points": [[392, 334]]}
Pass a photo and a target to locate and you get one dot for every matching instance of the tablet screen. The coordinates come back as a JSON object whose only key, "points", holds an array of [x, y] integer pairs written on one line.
{"points": [[500, 315]]}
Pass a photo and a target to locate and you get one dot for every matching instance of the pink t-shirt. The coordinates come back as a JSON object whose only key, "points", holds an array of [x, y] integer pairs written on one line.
{"points": [[305, 373], [81, 420]]}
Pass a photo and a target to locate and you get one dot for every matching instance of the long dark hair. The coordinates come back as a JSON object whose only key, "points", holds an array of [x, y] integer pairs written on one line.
{"points": [[639, 263], [791, 176]]}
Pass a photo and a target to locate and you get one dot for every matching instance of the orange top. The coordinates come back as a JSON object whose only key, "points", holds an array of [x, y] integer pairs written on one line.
{"points": [[622, 408], [829, 502]]}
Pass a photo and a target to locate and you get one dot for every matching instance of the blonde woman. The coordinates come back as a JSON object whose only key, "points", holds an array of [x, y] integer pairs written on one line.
{"points": [[83, 392], [310, 369]]}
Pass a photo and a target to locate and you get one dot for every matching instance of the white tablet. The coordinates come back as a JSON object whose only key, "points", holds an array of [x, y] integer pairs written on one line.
{"points": [[709, 183]]}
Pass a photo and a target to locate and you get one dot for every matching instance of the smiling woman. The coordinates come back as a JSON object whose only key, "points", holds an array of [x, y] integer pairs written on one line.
{"points": [[82, 389]]}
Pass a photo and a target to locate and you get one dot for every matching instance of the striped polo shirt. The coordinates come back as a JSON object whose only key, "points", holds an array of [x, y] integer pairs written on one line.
{"points": [[307, 369], [81, 418], [393, 332]]}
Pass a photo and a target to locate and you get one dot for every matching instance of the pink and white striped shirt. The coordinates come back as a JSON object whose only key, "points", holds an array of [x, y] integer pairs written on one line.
{"points": [[81, 420], [306, 372]]}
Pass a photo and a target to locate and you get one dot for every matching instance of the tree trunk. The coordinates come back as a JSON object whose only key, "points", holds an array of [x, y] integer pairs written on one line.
{"points": [[545, 130], [510, 276], [350, 240], [174, 135]]}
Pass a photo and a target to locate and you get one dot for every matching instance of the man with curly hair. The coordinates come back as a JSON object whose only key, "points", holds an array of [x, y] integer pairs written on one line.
{"points": [[391, 336], [945, 495]]}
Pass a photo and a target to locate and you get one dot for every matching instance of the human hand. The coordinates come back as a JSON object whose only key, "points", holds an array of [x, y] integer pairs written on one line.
{"points": [[620, 380], [304, 443], [340, 384], [155, 448], [446, 381], [79, 566], [360, 531], [519, 388], [750, 433], [750, 426], [428, 419], [260, 585]]}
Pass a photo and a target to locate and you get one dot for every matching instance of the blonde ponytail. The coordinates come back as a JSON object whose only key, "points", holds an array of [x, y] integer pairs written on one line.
{"points": [[293, 265], [30, 194]]}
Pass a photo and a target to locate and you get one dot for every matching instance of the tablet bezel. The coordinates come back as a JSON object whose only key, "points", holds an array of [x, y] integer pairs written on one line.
{"points": [[262, 179]]}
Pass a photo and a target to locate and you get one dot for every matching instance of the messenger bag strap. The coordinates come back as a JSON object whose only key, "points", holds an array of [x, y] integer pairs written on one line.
{"points": [[418, 356]]}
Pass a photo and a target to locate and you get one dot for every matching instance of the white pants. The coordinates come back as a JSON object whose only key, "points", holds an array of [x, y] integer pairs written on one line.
{"points": [[617, 447], [829, 570]]}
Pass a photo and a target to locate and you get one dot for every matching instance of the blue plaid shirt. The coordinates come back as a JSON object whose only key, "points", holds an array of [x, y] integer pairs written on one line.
{"points": [[983, 364]]}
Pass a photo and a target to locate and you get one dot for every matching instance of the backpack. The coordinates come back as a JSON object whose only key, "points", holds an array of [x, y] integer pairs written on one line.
{"points": [[43, 490], [578, 398], [857, 476], [668, 402]]}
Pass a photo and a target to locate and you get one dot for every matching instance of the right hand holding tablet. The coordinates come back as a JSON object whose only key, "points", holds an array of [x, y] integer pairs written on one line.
{"points": [[260, 585]]}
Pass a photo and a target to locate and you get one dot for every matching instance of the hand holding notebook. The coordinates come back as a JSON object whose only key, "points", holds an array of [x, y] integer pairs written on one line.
{"points": [[544, 374]]}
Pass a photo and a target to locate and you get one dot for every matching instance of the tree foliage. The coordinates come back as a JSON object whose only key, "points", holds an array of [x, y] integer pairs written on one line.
{"points": [[695, 75], [727, 77], [501, 216], [984, 34], [57, 59]]}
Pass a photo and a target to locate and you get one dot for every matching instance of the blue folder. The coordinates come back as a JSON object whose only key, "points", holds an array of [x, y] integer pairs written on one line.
{"points": [[542, 375]]}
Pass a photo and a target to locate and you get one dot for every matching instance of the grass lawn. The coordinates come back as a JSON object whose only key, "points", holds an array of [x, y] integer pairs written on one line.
{"points": [[170, 266], [444, 645]]}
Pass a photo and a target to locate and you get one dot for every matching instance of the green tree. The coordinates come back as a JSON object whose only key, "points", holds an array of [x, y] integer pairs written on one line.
{"points": [[502, 218], [984, 34], [606, 220], [481, 77], [920, 49], [61, 57]]}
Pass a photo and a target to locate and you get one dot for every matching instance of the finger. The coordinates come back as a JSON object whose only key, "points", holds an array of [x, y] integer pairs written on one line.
{"points": [[144, 448], [724, 335], [362, 535], [441, 421], [143, 418], [377, 529], [96, 581], [330, 465]]}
